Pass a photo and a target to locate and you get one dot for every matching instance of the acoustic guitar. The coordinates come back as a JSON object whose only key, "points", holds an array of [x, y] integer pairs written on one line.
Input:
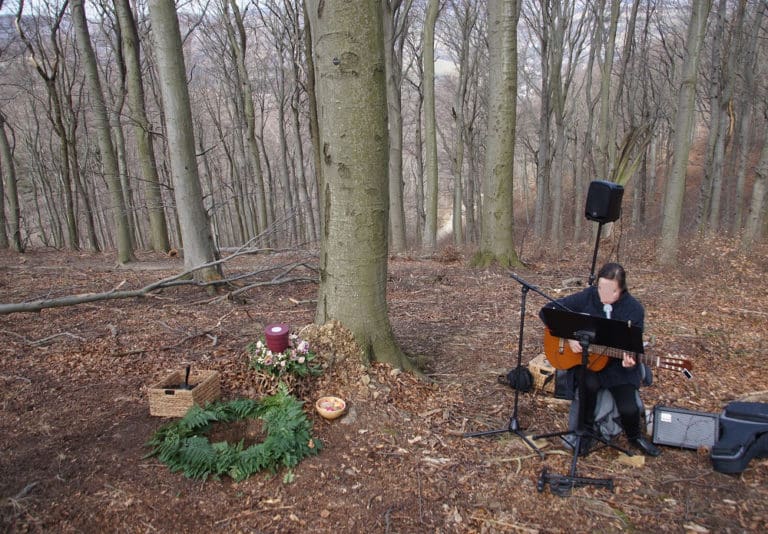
{"points": [[559, 353]]}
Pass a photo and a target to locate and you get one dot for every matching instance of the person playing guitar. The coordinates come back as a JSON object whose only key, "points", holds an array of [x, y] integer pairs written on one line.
{"points": [[610, 298]]}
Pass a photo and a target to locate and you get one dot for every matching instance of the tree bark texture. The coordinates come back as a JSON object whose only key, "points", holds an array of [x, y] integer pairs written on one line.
{"points": [[498, 236], [352, 113], [193, 220]]}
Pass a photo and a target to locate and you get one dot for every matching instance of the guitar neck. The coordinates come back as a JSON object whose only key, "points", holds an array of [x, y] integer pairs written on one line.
{"points": [[651, 361], [614, 353]]}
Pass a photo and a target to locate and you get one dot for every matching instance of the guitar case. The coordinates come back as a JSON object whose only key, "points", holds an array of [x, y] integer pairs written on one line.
{"points": [[743, 436]]}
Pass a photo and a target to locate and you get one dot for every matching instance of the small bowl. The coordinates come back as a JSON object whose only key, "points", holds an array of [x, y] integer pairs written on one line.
{"points": [[330, 407]]}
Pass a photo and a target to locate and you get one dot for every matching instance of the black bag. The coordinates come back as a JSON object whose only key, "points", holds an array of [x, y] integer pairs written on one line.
{"points": [[520, 378], [743, 436]]}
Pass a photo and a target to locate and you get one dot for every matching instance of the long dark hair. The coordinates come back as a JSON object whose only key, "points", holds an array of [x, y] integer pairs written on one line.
{"points": [[614, 271]]}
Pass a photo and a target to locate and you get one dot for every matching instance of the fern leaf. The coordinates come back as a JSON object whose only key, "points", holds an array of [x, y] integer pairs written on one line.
{"points": [[198, 458]]}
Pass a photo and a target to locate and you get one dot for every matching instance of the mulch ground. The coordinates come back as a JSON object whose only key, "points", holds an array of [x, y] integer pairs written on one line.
{"points": [[74, 415]]}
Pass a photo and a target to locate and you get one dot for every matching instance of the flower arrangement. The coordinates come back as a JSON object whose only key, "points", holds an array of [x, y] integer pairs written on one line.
{"points": [[295, 360]]}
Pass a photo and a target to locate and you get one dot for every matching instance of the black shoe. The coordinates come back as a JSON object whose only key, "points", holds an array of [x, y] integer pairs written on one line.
{"points": [[648, 448]]}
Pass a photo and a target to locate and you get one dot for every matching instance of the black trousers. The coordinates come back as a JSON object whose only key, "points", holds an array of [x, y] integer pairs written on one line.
{"points": [[625, 397]]}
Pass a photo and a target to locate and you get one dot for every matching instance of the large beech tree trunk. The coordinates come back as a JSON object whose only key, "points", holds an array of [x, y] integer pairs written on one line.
{"points": [[352, 113], [193, 220], [497, 240]]}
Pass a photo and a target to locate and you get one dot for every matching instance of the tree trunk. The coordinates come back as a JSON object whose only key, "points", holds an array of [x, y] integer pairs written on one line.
{"points": [[543, 155], [755, 223], [10, 192], [458, 147], [675, 190], [314, 129], [305, 197], [606, 124], [81, 188], [193, 220], [158, 226], [239, 45], [286, 179], [348, 45], [106, 147], [419, 174], [430, 125], [745, 111], [586, 163], [393, 52], [498, 236]]}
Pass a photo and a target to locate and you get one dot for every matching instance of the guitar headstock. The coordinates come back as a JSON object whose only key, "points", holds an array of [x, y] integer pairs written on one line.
{"points": [[675, 362]]}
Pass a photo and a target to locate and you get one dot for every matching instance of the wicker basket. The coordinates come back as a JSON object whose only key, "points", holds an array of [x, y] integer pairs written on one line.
{"points": [[541, 369], [166, 400]]}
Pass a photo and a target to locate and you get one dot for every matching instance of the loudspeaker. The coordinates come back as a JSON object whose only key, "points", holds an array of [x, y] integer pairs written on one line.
{"points": [[604, 201], [684, 428]]}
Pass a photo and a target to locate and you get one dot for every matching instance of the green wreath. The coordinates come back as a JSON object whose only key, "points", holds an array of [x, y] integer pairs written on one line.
{"points": [[183, 446]]}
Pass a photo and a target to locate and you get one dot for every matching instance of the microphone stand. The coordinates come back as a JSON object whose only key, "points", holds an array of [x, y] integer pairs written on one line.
{"points": [[513, 426]]}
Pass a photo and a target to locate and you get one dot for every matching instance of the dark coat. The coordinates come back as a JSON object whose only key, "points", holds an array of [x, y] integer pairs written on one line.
{"points": [[627, 308]]}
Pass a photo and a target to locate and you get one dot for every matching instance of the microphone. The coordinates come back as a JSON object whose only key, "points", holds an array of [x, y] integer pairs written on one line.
{"points": [[607, 308]]}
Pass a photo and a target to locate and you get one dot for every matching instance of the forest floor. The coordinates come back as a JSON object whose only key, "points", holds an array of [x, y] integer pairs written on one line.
{"points": [[74, 410]]}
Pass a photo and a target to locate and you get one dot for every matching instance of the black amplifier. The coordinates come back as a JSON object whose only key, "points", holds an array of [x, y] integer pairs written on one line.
{"points": [[684, 428]]}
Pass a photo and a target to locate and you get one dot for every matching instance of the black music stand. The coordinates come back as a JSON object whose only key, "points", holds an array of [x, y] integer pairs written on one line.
{"points": [[587, 330], [513, 426]]}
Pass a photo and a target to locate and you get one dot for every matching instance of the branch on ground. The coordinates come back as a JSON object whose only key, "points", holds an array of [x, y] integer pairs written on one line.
{"points": [[180, 279]]}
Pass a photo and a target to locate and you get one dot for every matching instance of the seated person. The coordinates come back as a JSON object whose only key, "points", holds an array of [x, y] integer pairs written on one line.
{"points": [[610, 298]]}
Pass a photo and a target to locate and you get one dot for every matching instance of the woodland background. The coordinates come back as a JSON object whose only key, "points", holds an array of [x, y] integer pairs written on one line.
{"points": [[599, 96]]}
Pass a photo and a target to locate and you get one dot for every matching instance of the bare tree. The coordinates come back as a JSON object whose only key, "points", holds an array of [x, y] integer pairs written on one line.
{"points": [[746, 108], [106, 146], [721, 86], [142, 130], [11, 193], [430, 125], [606, 124], [755, 223], [238, 40], [47, 63], [193, 220], [497, 237], [396, 18], [352, 108], [675, 189]]}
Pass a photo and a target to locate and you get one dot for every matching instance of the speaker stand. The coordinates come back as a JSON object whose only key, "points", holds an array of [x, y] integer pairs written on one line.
{"points": [[594, 254]]}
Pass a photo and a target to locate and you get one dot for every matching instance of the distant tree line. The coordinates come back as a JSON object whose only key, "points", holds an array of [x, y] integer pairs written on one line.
{"points": [[498, 113]]}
